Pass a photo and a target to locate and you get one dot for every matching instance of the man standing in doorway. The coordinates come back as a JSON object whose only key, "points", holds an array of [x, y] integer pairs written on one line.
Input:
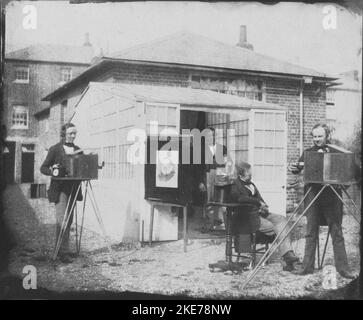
{"points": [[214, 158]]}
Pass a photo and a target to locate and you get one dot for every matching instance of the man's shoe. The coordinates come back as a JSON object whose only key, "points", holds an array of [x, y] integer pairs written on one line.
{"points": [[302, 272], [64, 258], [288, 267], [347, 274], [290, 257]]}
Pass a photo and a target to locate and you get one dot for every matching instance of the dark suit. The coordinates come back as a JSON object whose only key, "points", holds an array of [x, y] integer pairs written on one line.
{"points": [[56, 155], [248, 219], [326, 210]]}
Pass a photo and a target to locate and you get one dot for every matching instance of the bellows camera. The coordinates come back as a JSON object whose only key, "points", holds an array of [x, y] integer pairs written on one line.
{"points": [[82, 166], [329, 167]]}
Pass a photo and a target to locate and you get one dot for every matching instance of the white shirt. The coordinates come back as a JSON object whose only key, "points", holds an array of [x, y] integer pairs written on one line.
{"points": [[213, 149], [68, 150], [250, 187]]}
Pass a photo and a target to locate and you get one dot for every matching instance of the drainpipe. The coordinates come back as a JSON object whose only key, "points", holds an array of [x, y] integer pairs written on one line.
{"points": [[301, 144], [303, 81]]}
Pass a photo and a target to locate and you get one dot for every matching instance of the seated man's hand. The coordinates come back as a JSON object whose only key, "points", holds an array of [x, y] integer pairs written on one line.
{"points": [[264, 206], [264, 212]]}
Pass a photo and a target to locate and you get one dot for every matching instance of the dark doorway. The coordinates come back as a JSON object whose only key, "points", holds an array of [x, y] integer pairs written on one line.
{"points": [[9, 161], [27, 163]]}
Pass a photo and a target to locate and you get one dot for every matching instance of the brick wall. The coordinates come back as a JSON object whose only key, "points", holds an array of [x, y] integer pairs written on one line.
{"points": [[152, 75], [287, 93], [52, 136], [43, 79]]}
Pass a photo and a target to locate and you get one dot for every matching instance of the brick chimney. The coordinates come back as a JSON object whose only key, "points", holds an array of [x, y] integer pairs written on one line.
{"points": [[243, 38], [87, 43]]}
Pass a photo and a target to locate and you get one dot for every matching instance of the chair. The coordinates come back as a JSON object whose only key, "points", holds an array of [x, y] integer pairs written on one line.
{"points": [[254, 243]]}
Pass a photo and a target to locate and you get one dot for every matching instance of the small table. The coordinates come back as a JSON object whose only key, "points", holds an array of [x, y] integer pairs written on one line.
{"points": [[230, 208], [158, 202]]}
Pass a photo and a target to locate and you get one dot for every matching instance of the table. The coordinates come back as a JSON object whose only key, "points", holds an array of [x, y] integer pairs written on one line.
{"points": [[158, 202]]}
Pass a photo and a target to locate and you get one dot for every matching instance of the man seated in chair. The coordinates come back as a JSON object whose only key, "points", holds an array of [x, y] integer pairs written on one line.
{"points": [[256, 210]]}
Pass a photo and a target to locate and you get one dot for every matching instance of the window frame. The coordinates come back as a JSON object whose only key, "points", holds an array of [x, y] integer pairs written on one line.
{"points": [[63, 69], [22, 81], [197, 78], [330, 97], [17, 126]]}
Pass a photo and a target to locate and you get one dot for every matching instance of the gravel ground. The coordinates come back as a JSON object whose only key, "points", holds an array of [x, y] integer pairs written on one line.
{"points": [[161, 269]]}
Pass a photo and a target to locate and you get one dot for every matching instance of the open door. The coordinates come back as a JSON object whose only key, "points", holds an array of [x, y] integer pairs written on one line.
{"points": [[268, 156], [27, 163]]}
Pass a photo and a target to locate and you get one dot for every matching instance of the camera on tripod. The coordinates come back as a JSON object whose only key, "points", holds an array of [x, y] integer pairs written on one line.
{"points": [[78, 166]]}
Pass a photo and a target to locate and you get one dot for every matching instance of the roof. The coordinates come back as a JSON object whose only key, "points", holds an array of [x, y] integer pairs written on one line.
{"points": [[188, 50], [182, 96], [53, 53], [192, 49]]}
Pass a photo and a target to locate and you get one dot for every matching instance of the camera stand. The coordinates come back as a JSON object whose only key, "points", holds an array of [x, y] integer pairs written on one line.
{"points": [[278, 240], [71, 206]]}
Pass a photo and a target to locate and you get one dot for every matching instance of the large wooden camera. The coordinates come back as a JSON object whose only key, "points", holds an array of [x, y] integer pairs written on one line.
{"points": [[329, 167], [82, 166]]}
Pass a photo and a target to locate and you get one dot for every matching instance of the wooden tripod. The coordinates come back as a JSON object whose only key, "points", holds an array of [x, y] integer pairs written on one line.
{"points": [[278, 240], [71, 206]]}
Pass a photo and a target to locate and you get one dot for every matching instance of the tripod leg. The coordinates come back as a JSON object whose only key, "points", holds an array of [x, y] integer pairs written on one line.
{"points": [[63, 227], [272, 249], [326, 244], [82, 219], [98, 216], [344, 203], [76, 216], [66, 219], [318, 252], [352, 201]]}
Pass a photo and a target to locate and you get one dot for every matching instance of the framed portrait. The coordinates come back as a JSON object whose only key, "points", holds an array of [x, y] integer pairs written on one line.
{"points": [[166, 173]]}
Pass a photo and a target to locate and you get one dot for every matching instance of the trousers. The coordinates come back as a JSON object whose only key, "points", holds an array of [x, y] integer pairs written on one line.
{"points": [[61, 214], [273, 224], [330, 208]]}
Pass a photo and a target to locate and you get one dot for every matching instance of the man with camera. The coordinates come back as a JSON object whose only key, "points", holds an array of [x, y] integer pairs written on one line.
{"points": [[327, 207], [60, 191]]}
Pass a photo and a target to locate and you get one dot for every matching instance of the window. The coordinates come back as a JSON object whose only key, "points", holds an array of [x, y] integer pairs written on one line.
{"points": [[251, 89], [20, 117], [109, 156], [330, 97], [66, 74], [28, 148], [21, 74], [62, 111]]}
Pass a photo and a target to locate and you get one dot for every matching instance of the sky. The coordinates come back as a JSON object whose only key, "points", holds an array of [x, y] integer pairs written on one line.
{"points": [[293, 32]]}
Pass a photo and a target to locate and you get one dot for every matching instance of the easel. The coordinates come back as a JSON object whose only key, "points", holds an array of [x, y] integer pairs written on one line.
{"points": [[158, 202], [277, 242], [69, 211]]}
